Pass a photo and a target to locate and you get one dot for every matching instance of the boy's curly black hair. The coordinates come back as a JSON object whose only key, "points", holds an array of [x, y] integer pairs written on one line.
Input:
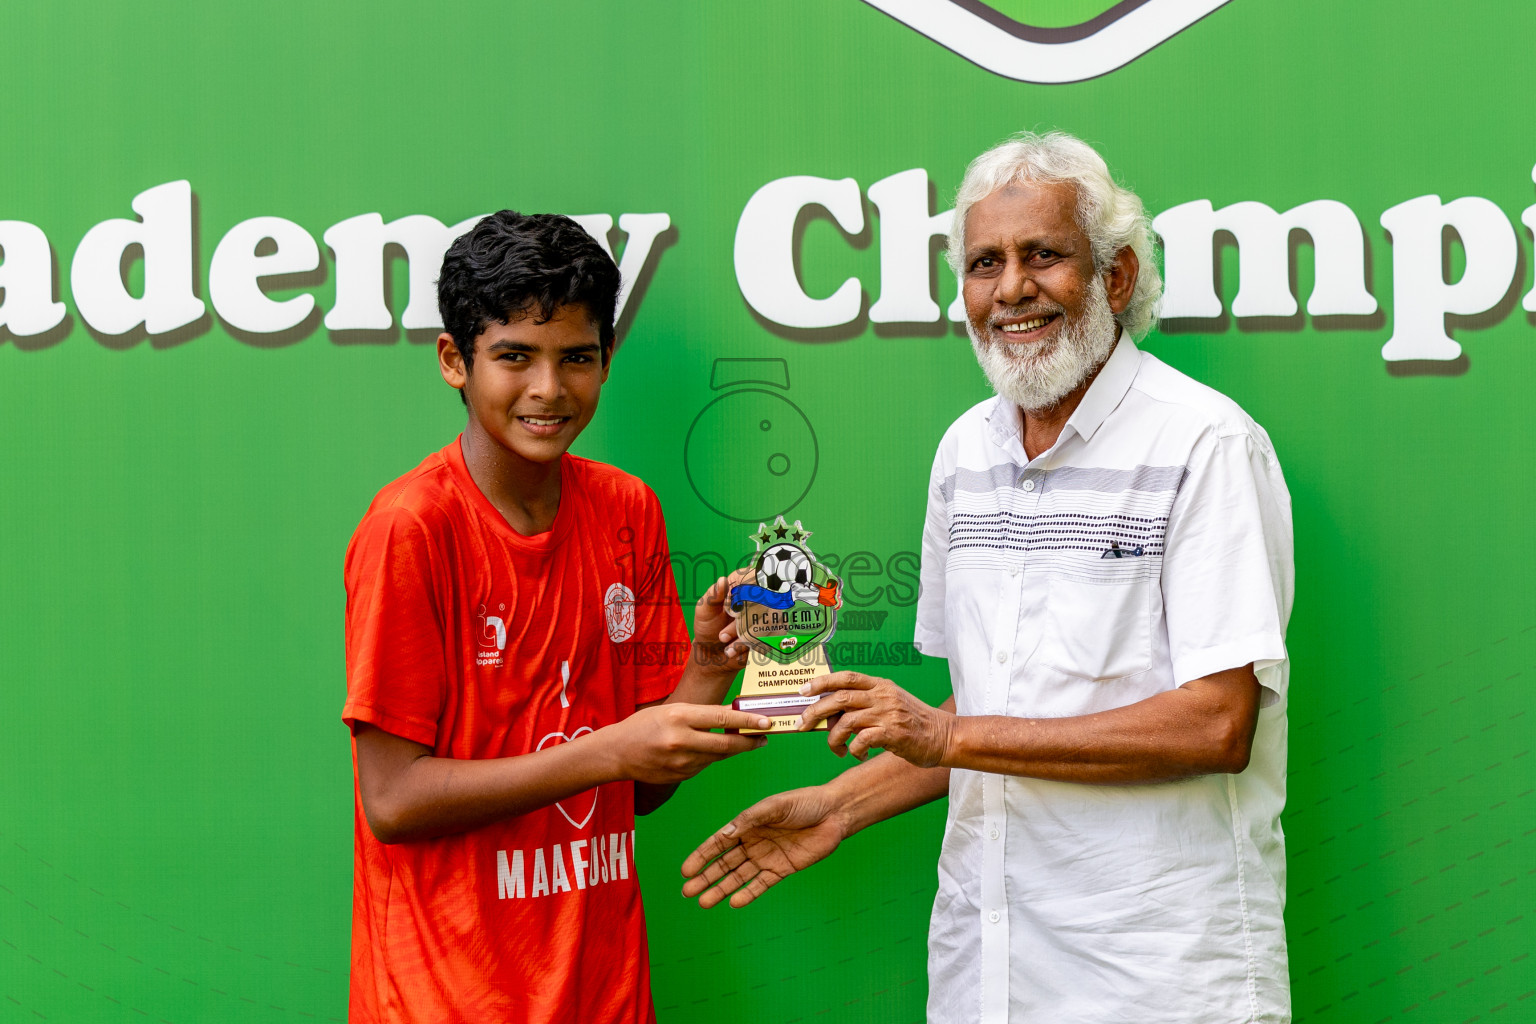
{"points": [[512, 265]]}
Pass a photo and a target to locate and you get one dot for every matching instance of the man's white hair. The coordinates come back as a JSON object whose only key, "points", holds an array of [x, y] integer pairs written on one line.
{"points": [[1111, 216]]}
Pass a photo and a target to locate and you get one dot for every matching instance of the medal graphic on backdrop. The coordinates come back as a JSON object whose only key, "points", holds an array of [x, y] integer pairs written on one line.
{"points": [[786, 614]]}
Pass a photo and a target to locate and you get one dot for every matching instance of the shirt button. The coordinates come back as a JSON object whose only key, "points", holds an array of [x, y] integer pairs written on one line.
{"points": [[994, 833], [1028, 485], [1002, 656], [994, 917]]}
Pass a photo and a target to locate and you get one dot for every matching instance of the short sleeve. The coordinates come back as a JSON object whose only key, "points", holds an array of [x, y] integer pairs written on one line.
{"points": [[1228, 577], [659, 624], [397, 676], [928, 637]]}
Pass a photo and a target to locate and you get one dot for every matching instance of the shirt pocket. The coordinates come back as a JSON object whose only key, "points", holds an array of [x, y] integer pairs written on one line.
{"points": [[1098, 626]]}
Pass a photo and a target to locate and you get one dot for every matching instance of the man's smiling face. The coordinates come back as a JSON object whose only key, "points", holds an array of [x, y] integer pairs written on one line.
{"points": [[533, 387], [1028, 267], [1040, 317]]}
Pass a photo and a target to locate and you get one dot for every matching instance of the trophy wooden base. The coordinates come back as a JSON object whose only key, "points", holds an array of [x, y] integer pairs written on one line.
{"points": [[772, 690]]}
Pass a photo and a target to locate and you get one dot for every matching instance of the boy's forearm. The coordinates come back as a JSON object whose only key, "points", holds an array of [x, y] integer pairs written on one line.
{"points": [[702, 682], [410, 795], [704, 679]]}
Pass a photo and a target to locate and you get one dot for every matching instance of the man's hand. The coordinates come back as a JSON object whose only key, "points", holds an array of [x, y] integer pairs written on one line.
{"points": [[669, 743], [716, 643], [878, 713], [765, 844]]}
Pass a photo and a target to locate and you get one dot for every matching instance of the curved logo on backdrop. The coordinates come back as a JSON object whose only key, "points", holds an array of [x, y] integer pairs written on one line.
{"points": [[751, 453], [987, 37]]}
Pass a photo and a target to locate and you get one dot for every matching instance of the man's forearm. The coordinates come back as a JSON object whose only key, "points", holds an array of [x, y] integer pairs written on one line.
{"points": [[886, 785], [1202, 728], [883, 787]]}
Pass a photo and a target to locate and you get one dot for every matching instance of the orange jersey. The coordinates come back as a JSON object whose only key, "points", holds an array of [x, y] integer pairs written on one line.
{"points": [[470, 638]]}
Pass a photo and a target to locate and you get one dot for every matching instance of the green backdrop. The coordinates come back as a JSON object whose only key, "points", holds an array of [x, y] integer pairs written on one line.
{"points": [[175, 794]]}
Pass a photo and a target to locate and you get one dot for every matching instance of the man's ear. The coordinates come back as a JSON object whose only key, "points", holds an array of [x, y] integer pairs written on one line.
{"points": [[450, 362], [1120, 279], [608, 362]]}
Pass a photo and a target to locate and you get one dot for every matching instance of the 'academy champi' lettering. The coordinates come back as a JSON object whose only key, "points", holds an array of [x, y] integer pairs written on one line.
{"points": [[266, 249], [593, 862], [257, 253]]}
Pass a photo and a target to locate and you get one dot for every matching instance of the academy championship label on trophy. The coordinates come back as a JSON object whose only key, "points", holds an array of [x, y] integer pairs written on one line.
{"points": [[786, 613]]}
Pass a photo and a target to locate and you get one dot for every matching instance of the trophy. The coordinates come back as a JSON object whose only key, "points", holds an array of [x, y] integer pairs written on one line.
{"points": [[786, 613]]}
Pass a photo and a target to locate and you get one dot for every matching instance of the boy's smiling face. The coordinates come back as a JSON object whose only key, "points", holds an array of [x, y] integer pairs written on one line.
{"points": [[532, 387]]}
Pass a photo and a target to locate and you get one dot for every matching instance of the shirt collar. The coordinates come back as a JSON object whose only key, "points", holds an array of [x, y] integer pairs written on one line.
{"points": [[1003, 423], [1107, 389], [1103, 395]]}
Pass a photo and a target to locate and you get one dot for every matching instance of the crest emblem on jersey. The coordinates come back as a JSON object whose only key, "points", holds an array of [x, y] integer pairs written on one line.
{"points": [[619, 612], [791, 604]]}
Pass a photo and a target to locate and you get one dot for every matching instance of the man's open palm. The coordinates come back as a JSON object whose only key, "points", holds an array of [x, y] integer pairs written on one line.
{"points": [[766, 843]]}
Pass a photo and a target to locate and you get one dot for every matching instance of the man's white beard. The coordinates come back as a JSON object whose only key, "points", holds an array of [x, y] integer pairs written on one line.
{"points": [[1036, 379]]}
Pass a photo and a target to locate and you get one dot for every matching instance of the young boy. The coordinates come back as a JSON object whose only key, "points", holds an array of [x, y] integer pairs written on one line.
{"points": [[503, 736]]}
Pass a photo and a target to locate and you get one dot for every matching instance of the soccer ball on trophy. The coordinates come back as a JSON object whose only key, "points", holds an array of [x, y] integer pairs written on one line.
{"points": [[783, 566]]}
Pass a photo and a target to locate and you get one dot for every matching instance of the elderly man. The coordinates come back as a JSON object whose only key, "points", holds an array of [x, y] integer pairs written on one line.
{"points": [[1107, 567]]}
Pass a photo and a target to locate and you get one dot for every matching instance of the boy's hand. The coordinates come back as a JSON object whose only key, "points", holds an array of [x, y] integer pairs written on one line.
{"points": [[715, 640], [669, 743]]}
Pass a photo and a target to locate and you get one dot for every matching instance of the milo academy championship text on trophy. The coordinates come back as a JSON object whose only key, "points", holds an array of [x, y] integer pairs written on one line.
{"points": [[786, 614]]}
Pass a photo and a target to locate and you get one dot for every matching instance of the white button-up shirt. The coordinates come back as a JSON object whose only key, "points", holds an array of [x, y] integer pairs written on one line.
{"points": [[1150, 546]]}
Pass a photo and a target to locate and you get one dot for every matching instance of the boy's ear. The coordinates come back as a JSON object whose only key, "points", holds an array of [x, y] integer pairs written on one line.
{"points": [[450, 362]]}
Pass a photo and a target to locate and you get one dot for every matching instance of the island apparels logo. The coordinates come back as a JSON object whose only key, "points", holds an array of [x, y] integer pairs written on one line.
{"points": [[492, 640], [989, 38]]}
